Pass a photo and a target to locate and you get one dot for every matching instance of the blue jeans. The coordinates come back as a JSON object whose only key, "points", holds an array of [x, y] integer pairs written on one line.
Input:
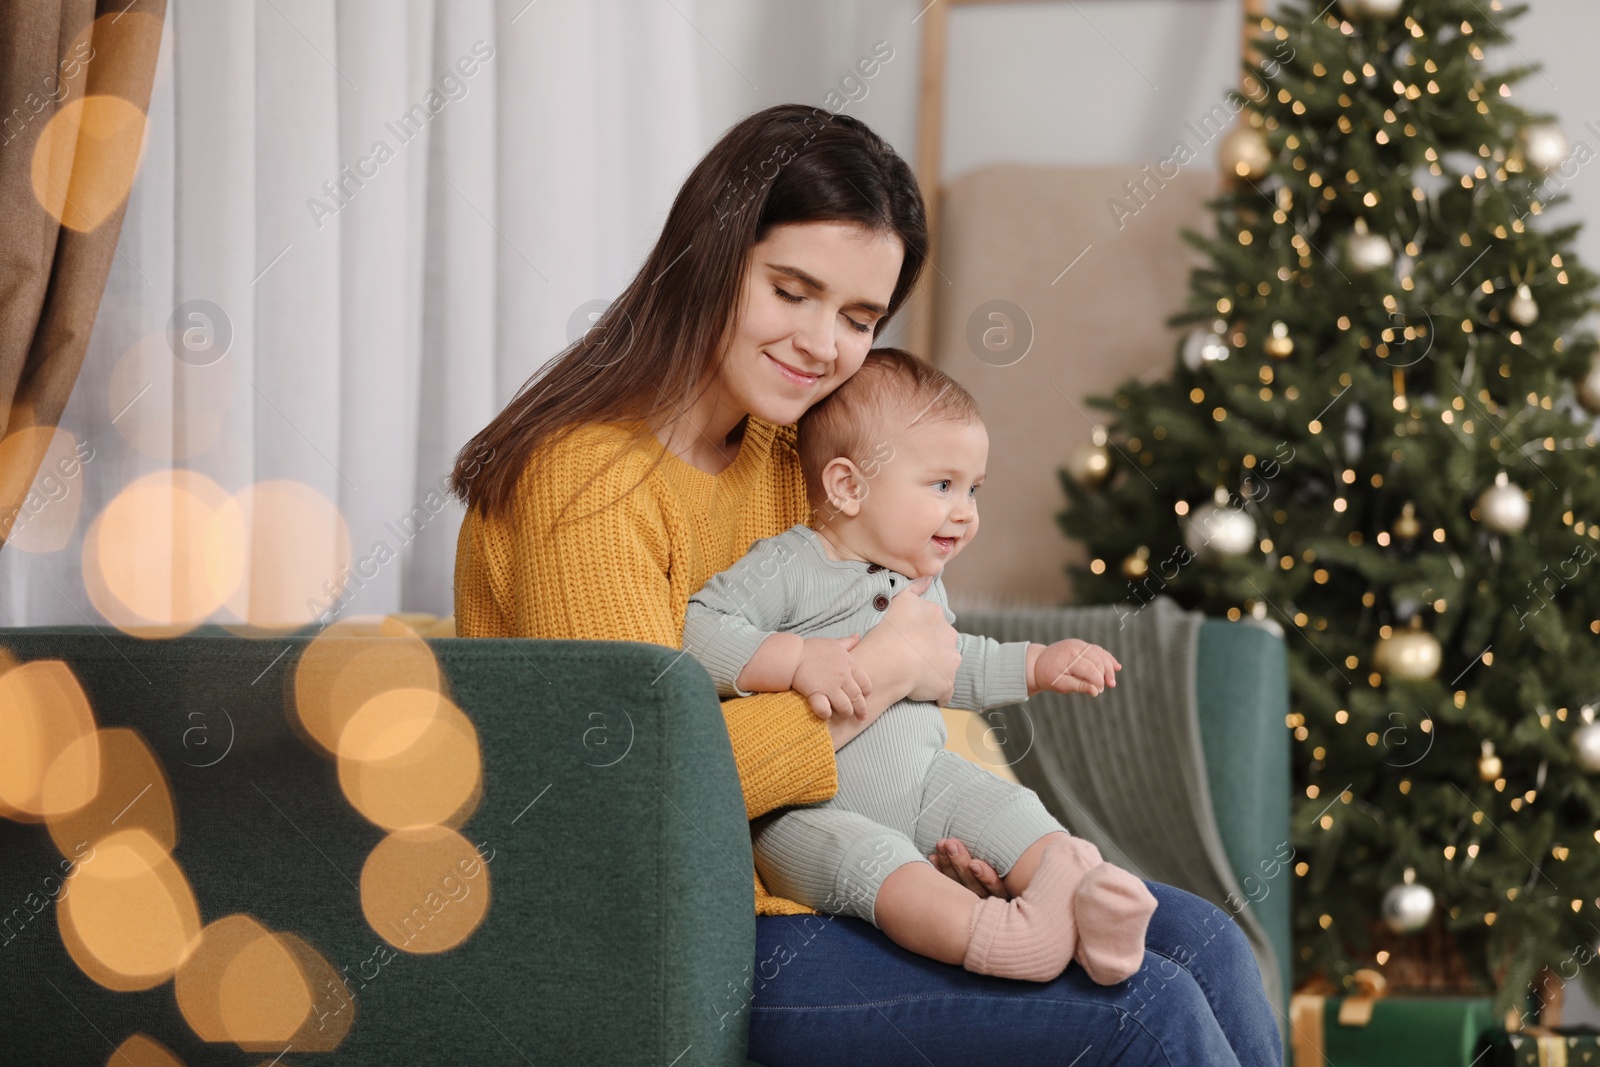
{"points": [[835, 990]]}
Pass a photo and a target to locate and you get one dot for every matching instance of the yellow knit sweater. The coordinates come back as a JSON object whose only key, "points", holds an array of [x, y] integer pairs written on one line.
{"points": [[626, 574]]}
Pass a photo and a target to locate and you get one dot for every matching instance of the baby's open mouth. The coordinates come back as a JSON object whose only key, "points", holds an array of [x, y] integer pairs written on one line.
{"points": [[946, 543]]}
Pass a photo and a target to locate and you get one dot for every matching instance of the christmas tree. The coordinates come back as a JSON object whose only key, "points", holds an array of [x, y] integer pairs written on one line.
{"points": [[1378, 437]]}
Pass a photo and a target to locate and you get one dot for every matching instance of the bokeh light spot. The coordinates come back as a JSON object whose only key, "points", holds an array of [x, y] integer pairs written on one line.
{"points": [[126, 784], [131, 915], [43, 713], [425, 890], [410, 758], [85, 159], [349, 663]]}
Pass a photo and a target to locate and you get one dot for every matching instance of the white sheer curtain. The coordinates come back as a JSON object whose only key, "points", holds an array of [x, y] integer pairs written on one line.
{"points": [[393, 212]]}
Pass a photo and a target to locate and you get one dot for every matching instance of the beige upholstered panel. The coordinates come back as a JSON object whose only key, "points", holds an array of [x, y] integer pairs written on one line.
{"points": [[1007, 234]]}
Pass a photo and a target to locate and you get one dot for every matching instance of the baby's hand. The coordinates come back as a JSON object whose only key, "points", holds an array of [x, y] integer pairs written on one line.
{"points": [[1074, 666], [830, 678]]}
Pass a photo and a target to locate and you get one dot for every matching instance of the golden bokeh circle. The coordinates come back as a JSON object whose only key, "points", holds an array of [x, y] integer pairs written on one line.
{"points": [[425, 890]]}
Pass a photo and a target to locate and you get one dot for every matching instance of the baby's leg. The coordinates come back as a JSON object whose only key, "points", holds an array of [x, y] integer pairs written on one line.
{"points": [[1112, 909], [1007, 826], [1030, 937]]}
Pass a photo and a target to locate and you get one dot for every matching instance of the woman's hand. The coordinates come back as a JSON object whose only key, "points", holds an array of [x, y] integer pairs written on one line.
{"points": [[954, 861], [918, 647], [830, 679]]}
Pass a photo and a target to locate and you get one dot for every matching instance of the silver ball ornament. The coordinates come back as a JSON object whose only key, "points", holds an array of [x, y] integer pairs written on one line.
{"points": [[1544, 147], [1369, 251], [1503, 507], [1523, 309], [1203, 346], [1216, 528], [1408, 906], [1586, 743], [1380, 9]]}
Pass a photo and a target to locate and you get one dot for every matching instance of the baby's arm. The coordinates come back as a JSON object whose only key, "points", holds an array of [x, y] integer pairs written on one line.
{"points": [[993, 674], [772, 668], [735, 613], [820, 668], [733, 627]]}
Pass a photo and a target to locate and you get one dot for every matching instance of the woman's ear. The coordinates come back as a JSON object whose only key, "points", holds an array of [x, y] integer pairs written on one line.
{"points": [[844, 486]]}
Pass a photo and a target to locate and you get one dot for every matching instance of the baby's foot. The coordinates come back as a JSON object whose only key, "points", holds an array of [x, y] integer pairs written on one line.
{"points": [[1113, 910], [1032, 936]]}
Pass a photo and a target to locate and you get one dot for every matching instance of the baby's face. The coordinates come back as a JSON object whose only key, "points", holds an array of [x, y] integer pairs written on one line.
{"points": [[921, 505]]}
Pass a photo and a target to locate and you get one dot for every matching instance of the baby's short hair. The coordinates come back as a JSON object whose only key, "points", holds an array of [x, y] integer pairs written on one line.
{"points": [[852, 420]]}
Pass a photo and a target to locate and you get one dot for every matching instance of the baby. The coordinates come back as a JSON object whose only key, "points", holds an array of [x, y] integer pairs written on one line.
{"points": [[893, 459]]}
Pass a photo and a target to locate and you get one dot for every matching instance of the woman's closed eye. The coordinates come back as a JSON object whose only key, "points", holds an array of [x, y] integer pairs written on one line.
{"points": [[859, 327]]}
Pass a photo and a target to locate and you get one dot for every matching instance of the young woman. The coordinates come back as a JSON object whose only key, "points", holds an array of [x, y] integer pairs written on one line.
{"points": [[654, 451]]}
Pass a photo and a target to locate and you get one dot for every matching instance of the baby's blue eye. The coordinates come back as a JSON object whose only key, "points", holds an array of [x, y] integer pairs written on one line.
{"points": [[944, 482]]}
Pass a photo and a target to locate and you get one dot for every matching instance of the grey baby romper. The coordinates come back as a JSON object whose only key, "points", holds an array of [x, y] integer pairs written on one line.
{"points": [[900, 790]]}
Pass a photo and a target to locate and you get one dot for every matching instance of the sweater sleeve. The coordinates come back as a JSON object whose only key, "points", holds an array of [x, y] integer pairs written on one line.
{"points": [[603, 574]]}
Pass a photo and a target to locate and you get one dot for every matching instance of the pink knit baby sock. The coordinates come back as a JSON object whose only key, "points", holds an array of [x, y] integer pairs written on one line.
{"points": [[1113, 910], [1031, 936]]}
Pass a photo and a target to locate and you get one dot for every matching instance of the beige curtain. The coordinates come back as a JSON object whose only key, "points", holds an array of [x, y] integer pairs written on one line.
{"points": [[75, 81]]}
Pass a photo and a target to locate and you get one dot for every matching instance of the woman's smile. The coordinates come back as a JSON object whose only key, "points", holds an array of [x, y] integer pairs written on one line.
{"points": [[794, 375]]}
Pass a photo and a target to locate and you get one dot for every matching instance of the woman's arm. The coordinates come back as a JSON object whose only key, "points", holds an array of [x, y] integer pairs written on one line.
{"points": [[604, 577]]}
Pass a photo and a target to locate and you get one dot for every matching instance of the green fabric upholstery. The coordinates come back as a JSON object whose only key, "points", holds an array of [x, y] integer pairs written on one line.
{"points": [[1242, 686], [620, 920], [620, 928]]}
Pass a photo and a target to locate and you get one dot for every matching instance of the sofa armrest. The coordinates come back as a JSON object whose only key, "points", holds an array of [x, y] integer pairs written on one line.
{"points": [[621, 918], [1241, 699], [1242, 690]]}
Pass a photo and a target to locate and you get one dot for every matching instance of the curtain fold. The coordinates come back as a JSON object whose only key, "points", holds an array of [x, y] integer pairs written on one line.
{"points": [[356, 229], [75, 78]]}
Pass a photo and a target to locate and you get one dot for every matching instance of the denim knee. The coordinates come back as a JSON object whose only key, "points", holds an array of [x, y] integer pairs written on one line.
{"points": [[1164, 1001]]}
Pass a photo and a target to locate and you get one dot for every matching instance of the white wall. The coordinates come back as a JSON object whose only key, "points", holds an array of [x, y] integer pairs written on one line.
{"points": [[1085, 82]]}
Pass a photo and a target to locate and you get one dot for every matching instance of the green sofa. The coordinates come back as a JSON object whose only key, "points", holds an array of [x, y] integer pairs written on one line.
{"points": [[620, 927]]}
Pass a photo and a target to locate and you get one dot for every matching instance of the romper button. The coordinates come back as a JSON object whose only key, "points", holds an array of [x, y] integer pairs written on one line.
{"points": [[873, 568], [880, 602]]}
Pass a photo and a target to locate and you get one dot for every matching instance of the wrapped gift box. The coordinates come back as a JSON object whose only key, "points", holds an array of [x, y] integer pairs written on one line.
{"points": [[1406, 1031], [1560, 1047]]}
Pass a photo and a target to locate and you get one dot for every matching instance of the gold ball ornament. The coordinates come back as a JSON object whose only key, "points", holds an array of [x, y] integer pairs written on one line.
{"points": [[1589, 388], [1090, 464], [1279, 344], [1368, 251], [1244, 153], [1523, 310], [1544, 146], [1136, 566], [1503, 507], [1410, 655], [1489, 765], [1408, 906], [1407, 527]]}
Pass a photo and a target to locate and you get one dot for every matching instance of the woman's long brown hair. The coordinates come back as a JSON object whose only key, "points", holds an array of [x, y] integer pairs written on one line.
{"points": [[661, 339]]}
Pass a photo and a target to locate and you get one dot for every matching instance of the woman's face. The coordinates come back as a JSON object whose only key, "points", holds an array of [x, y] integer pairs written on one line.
{"points": [[813, 294]]}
